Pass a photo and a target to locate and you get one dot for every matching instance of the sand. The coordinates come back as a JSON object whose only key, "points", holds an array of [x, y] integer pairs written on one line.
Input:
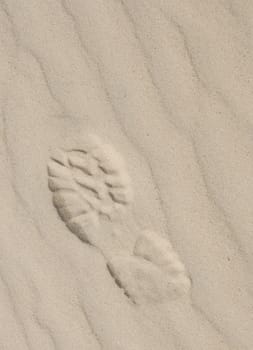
{"points": [[126, 175]]}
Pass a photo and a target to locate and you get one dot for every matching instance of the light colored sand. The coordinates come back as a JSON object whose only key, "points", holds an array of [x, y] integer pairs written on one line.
{"points": [[126, 175]]}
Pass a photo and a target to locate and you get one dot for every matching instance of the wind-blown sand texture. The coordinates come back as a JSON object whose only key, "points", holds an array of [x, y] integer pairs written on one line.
{"points": [[126, 175]]}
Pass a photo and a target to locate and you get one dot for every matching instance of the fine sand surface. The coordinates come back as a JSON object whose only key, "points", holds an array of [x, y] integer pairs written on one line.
{"points": [[126, 177]]}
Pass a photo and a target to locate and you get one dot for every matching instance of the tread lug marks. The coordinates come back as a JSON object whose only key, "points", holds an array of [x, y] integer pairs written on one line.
{"points": [[58, 155], [57, 184], [91, 180], [88, 165]]}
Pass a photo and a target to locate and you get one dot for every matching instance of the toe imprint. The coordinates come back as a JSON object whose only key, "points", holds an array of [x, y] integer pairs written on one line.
{"points": [[160, 252], [140, 280], [153, 274]]}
